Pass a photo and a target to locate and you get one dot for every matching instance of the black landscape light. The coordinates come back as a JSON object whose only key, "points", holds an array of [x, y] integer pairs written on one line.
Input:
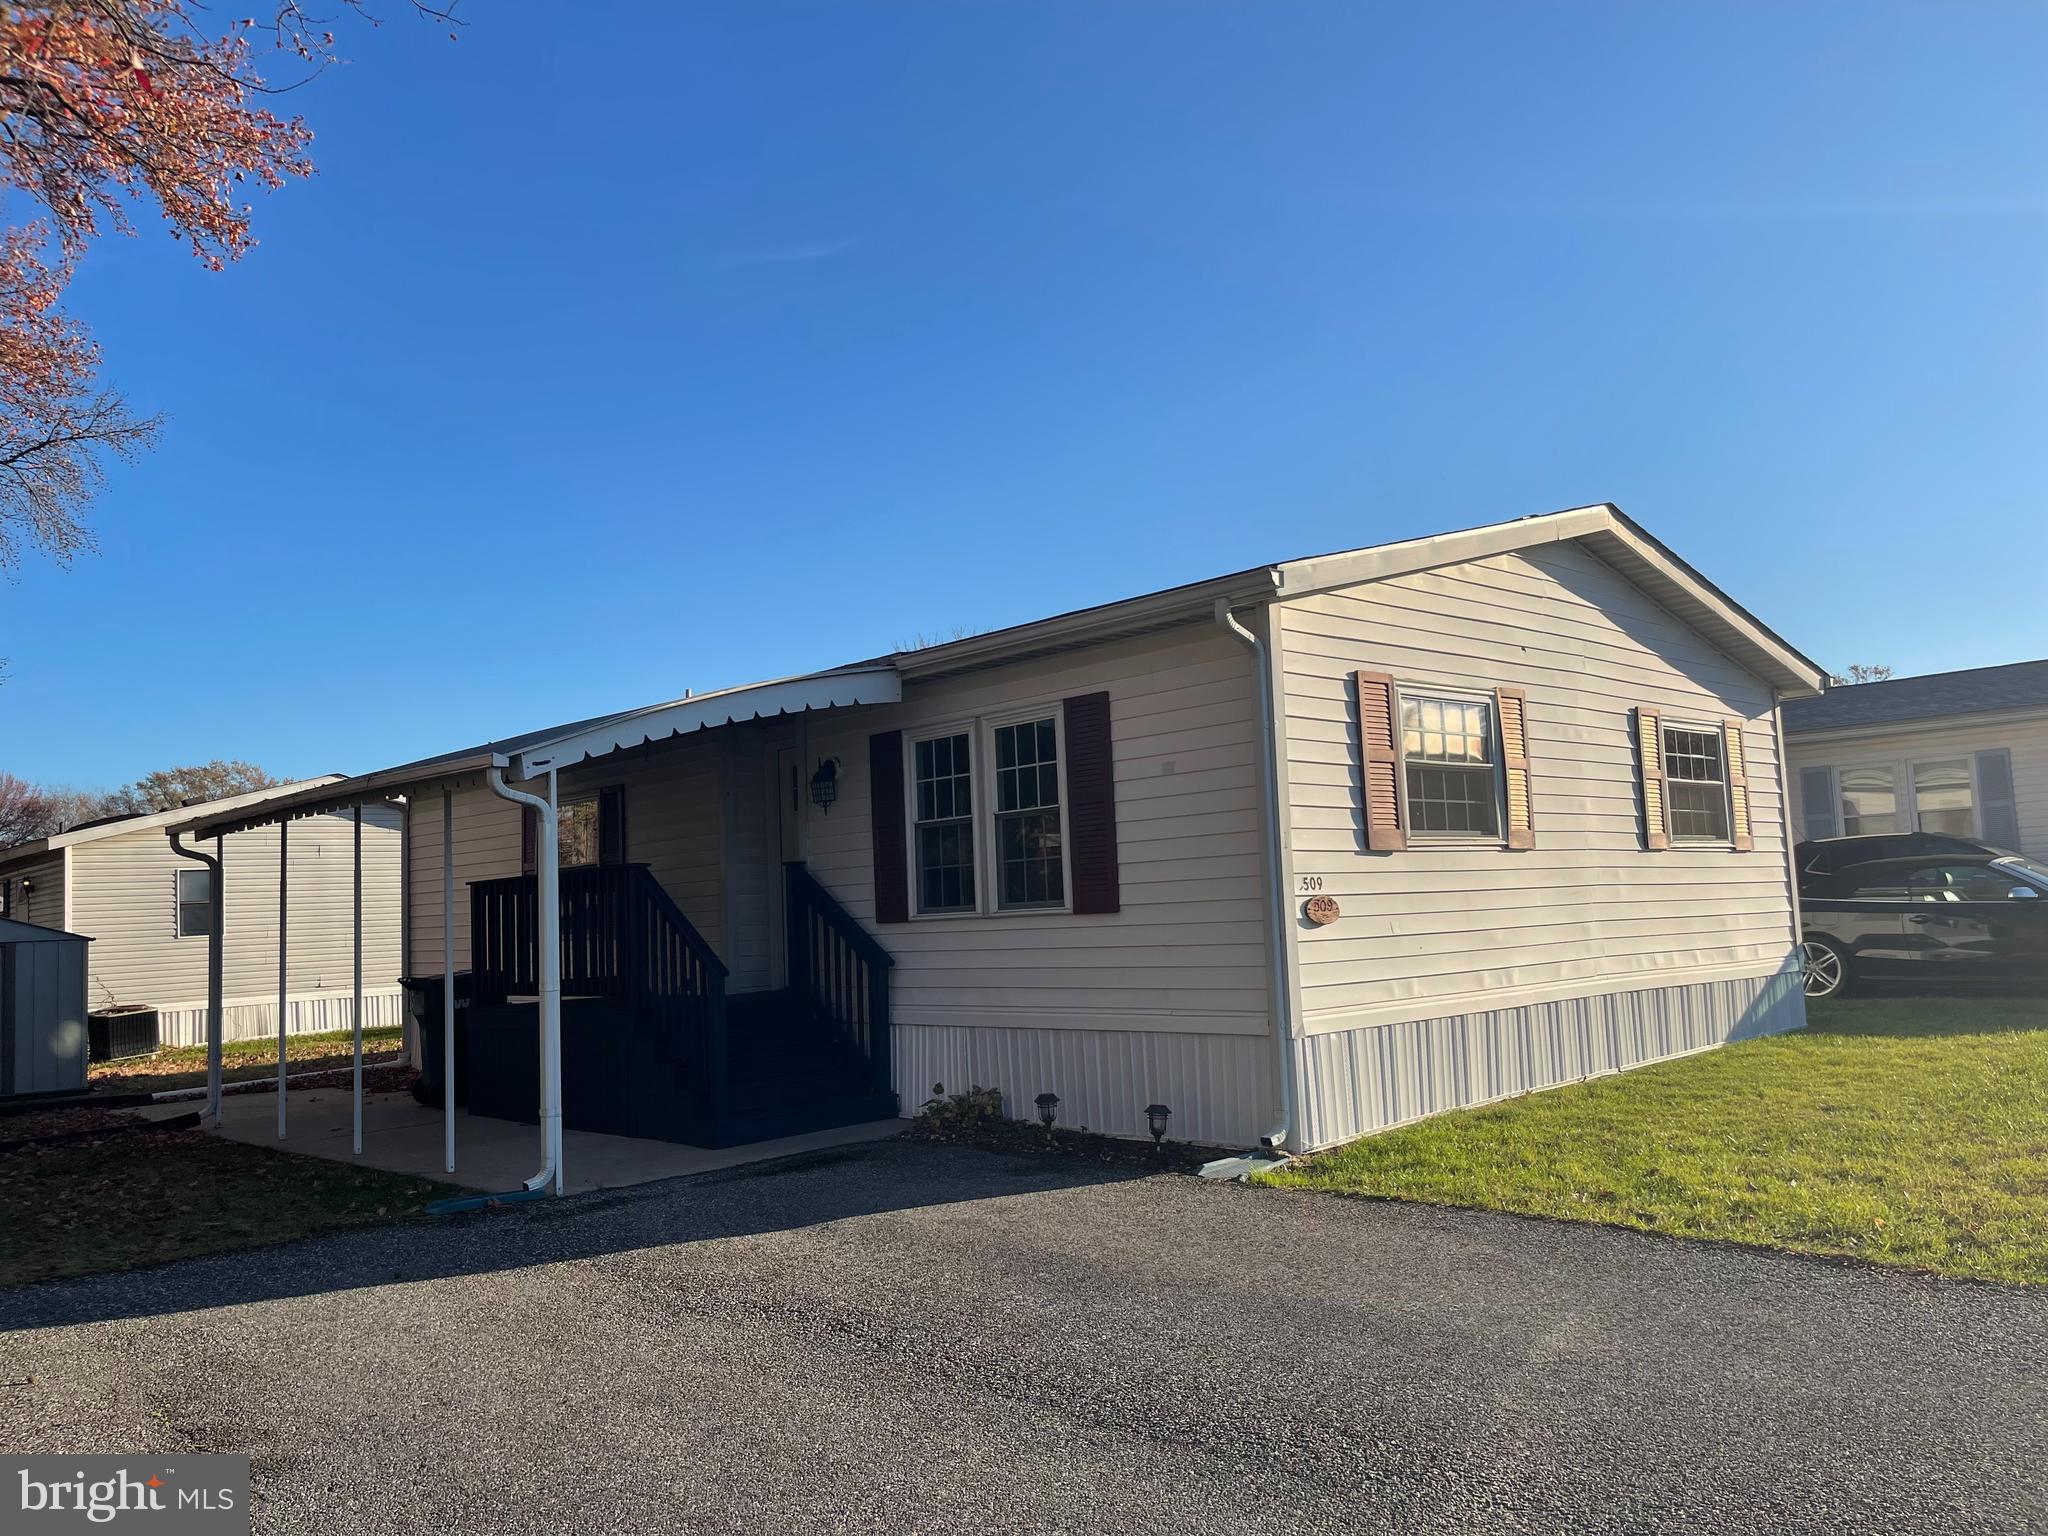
{"points": [[1048, 1110], [1156, 1116], [825, 784]]}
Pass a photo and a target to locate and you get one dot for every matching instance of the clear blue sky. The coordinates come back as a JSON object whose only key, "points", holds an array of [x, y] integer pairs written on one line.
{"points": [[622, 349]]}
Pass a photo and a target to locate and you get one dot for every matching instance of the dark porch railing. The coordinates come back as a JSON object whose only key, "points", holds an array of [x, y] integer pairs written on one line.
{"points": [[622, 936], [837, 968]]}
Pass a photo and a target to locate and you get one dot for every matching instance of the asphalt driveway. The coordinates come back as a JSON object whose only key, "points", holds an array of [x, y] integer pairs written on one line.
{"points": [[897, 1337]]}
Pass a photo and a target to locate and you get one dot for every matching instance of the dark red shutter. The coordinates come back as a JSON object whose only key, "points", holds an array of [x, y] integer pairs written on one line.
{"points": [[611, 824], [1091, 805], [529, 840], [885, 813], [1379, 763]]}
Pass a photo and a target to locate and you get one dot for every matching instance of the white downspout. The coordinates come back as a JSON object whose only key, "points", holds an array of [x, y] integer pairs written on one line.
{"points": [[1791, 836], [1276, 897], [213, 969], [549, 900]]}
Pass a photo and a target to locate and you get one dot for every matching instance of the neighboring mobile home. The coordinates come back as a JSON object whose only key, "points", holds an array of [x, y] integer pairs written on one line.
{"points": [[1958, 752], [1298, 852], [148, 911]]}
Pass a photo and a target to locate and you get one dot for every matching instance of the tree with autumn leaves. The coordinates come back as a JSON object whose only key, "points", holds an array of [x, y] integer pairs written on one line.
{"points": [[109, 110]]}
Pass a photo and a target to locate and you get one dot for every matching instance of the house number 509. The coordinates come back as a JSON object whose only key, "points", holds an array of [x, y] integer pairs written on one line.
{"points": [[1307, 885]]}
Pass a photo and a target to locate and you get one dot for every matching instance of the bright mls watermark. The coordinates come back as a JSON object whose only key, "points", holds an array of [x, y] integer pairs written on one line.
{"points": [[167, 1495]]}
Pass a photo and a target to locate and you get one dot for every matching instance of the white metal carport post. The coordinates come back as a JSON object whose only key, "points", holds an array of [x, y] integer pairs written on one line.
{"points": [[448, 972], [283, 865], [359, 975]]}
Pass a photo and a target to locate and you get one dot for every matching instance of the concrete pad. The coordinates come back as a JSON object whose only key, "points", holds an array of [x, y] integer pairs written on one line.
{"points": [[403, 1136]]}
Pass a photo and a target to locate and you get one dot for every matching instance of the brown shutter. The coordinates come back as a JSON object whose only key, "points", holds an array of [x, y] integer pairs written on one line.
{"points": [[1738, 788], [1650, 751], [1091, 805], [885, 813], [1379, 764], [1513, 708], [611, 824], [529, 840]]}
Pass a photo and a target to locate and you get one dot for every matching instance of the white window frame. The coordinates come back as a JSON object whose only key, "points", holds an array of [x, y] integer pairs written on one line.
{"points": [[1719, 731], [980, 731], [1486, 696], [1969, 760], [911, 741], [1906, 786], [990, 724], [179, 903]]}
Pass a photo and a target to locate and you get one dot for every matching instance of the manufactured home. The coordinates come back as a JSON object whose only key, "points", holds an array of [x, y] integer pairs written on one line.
{"points": [[1296, 853], [1965, 753], [149, 912]]}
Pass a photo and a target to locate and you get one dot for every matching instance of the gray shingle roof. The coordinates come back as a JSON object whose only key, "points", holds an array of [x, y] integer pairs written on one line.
{"points": [[1979, 690]]}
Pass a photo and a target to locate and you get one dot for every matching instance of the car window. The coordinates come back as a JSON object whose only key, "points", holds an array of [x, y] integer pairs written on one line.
{"points": [[1879, 882], [1958, 882]]}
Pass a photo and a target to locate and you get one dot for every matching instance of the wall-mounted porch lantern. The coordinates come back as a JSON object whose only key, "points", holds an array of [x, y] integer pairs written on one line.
{"points": [[825, 783]]}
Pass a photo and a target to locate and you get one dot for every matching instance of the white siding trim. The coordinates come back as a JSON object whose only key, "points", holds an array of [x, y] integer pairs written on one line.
{"points": [[255, 1018], [1220, 1088], [1372, 1079]]}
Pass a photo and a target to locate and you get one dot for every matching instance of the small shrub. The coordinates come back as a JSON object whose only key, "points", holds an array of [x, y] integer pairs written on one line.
{"points": [[960, 1112]]}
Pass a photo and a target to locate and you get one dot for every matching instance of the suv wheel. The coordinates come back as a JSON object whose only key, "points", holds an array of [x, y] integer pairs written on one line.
{"points": [[1826, 968]]}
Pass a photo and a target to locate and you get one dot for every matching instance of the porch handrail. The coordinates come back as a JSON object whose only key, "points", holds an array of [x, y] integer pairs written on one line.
{"points": [[838, 968], [613, 916]]}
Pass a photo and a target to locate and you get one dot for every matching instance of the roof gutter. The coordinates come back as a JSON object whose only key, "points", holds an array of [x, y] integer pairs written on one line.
{"points": [[1136, 615], [1275, 1140]]}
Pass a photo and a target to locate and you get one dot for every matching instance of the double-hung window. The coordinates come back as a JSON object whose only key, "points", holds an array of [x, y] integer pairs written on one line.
{"points": [[1030, 869], [195, 902], [1943, 795], [1449, 766], [1944, 798], [1696, 783], [987, 828], [1870, 800], [944, 832]]}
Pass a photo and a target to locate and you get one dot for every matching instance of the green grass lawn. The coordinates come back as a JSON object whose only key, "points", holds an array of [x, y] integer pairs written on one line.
{"points": [[184, 1066], [140, 1197], [1903, 1130]]}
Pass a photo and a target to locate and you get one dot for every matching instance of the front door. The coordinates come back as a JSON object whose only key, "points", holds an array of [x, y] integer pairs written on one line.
{"points": [[789, 824]]}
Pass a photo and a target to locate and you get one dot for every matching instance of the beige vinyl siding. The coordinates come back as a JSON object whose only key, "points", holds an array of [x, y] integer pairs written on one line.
{"points": [[124, 895], [44, 904], [1440, 930], [486, 848], [674, 824], [1186, 952], [2024, 736]]}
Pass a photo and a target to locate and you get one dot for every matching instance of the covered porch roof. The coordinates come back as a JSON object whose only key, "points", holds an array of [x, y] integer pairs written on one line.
{"points": [[564, 746]]}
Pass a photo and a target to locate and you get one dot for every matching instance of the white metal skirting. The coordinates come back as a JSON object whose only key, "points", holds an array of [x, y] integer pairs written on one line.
{"points": [[1219, 1087], [1367, 1079], [312, 1014]]}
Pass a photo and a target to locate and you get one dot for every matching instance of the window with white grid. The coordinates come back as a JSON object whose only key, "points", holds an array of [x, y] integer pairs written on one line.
{"points": [[1447, 756]]}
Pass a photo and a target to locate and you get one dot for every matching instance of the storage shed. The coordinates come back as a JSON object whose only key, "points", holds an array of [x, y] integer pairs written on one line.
{"points": [[42, 1010]]}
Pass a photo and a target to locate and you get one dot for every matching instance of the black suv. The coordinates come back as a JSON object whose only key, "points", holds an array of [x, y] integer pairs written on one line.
{"points": [[1923, 907]]}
